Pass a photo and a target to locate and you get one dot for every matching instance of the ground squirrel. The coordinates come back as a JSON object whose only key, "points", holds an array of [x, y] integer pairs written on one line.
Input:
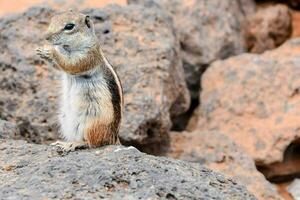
{"points": [[92, 98]]}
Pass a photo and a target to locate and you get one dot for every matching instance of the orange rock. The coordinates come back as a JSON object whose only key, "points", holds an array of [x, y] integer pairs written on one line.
{"points": [[255, 100], [268, 28], [218, 152]]}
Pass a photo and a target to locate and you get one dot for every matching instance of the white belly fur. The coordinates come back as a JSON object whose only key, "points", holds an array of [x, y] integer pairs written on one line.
{"points": [[83, 101]]}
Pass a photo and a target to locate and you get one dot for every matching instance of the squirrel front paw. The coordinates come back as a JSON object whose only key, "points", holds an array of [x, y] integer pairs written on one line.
{"points": [[44, 52]]}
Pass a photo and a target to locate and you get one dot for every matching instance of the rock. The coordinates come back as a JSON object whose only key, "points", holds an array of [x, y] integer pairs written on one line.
{"points": [[113, 172], [216, 151], [208, 30], [8, 130], [294, 189], [286, 170], [248, 7], [268, 28], [149, 64], [27, 87], [146, 58], [255, 101]]}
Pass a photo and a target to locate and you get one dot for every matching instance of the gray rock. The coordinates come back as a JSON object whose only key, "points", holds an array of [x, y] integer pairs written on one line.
{"points": [[27, 87], [248, 7], [30, 171], [142, 46], [8, 130], [208, 30]]}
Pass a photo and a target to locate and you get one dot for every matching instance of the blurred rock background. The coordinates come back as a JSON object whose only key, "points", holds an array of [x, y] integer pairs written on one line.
{"points": [[214, 82]]}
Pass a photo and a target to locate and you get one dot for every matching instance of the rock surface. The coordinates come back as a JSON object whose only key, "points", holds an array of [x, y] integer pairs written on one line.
{"points": [[268, 28], [30, 171], [8, 130], [248, 7], [146, 55], [146, 58], [27, 87], [208, 30], [217, 152], [254, 99], [286, 170]]}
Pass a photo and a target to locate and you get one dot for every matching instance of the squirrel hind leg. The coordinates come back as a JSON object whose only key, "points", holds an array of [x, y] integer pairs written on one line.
{"points": [[98, 134]]}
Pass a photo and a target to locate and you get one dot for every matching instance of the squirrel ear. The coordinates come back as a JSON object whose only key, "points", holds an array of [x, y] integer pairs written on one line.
{"points": [[87, 21]]}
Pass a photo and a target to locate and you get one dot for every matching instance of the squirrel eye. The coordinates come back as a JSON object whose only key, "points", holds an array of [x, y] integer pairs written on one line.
{"points": [[69, 26]]}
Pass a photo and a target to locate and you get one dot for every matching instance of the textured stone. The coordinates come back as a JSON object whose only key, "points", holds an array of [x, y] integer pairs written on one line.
{"points": [[268, 28], [254, 99], [208, 30], [149, 64], [284, 171], [31, 171], [217, 152], [142, 46], [8, 130], [27, 87]]}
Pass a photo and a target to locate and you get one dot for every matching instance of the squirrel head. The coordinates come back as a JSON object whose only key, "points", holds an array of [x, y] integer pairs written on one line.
{"points": [[73, 36], [72, 31]]}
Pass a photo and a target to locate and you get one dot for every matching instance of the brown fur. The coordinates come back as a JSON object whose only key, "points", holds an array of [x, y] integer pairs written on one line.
{"points": [[98, 134], [91, 59]]}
